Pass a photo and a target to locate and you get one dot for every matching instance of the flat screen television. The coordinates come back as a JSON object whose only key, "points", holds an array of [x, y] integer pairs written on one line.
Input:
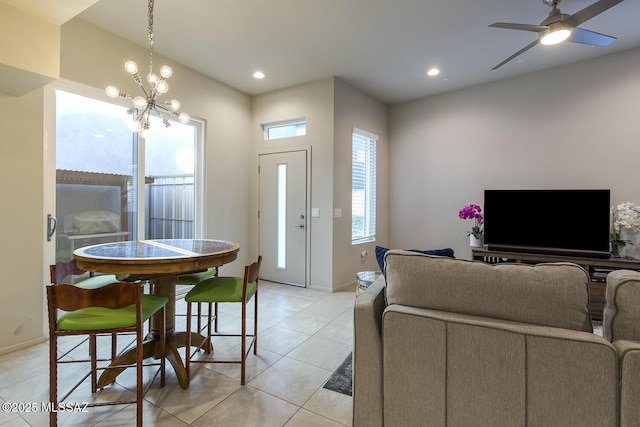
{"points": [[557, 222]]}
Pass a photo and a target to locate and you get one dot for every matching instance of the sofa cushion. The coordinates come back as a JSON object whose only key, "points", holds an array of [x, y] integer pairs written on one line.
{"points": [[380, 251], [543, 294], [621, 319]]}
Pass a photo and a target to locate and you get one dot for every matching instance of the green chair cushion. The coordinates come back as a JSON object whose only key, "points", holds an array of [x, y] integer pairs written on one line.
{"points": [[92, 318], [220, 289], [97, 281], [194, 278]]}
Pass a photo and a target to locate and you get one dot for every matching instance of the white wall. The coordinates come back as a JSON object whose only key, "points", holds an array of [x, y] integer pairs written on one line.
{"points": [[314, 102], [355, 109], [574, 126]]}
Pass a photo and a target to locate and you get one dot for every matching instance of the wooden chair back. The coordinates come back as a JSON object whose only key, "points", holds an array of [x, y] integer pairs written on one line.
{"points": [[62, 269]]}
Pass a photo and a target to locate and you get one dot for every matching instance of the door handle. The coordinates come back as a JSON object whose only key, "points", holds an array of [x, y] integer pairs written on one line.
{"points": [[299, 226], [51, 226]]}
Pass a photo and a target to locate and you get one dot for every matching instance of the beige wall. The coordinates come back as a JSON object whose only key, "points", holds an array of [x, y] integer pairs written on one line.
{"points": [[355, 109], [313, 101], [574, 126], [225, 110], [94, 58], [21, 185], [332, 109], [30, 54]]}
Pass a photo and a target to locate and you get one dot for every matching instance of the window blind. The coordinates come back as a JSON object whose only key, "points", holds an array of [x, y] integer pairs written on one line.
{"points": [[363, 187]]}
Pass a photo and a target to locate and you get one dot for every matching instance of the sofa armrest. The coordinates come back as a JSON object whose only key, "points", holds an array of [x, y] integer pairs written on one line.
{"points": [[629, 354], [367, 356], [621, 318]]}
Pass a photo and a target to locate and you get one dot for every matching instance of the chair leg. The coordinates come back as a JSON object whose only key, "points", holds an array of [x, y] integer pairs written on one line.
{"points": [[114, 345], [255, 323], [187, 358], [92, 357], [215, 328], [163, 346], [53, 377], [243, 345], [139, 383]]}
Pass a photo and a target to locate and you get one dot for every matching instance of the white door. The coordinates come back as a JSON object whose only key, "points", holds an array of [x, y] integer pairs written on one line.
{"points": [[283, 217]]}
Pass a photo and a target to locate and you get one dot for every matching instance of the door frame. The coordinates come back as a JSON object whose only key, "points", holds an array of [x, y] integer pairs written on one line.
{"points": [[307, 150]]}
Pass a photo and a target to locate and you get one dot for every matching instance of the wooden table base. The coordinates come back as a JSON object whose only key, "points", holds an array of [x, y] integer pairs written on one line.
{"points": [[163, 286], [151, 348]]}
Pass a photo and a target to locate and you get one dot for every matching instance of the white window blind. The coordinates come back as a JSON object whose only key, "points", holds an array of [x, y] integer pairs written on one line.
{"points": [[363, 187]]}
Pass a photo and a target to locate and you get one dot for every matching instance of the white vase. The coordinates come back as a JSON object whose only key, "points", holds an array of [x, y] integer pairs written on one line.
{"points": [[475, 242]]}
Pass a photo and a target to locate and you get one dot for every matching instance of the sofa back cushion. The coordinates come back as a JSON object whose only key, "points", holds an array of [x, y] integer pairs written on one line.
{"points": [[544, 294]]}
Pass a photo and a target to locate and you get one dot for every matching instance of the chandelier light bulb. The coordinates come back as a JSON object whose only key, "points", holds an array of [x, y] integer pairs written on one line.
{"points": [[135, 126], [162, 86], [166, 72], [139, 102], [144, 106], [184, 118], [131, 67], [112, 91], [152, 79], [173, 105]]}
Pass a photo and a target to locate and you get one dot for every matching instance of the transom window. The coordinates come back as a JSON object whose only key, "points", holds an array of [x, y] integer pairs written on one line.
{"points": [[285, 129]]}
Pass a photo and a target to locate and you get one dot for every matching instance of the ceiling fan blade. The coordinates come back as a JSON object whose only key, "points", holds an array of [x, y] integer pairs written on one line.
{"points": [[589, 12], [524, 49], [580, 35], [523, 27]]}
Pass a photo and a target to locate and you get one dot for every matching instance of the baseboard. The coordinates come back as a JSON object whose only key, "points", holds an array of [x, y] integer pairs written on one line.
{"points": [[347, 287], [22, 345]]}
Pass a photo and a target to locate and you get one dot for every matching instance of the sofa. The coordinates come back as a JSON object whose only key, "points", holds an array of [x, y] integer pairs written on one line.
{"points": [[457, 343]]}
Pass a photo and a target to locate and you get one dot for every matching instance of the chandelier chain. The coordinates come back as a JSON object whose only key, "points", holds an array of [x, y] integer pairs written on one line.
{"points": [[150, 35]]}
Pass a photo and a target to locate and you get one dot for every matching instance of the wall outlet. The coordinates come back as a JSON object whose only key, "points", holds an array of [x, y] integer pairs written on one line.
{"points": [[337, 213], [363, 256]]}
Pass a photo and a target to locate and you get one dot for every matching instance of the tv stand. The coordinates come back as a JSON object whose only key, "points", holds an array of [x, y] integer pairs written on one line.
{"points": [[597, 268]]}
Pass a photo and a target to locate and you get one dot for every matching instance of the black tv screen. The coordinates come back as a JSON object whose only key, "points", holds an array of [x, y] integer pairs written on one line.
{"points": [[562, 222]]}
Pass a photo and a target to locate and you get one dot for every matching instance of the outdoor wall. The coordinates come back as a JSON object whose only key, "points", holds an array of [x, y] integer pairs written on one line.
{"points": [[313, 101], [574, 126], [355, 109], [225, 110]]}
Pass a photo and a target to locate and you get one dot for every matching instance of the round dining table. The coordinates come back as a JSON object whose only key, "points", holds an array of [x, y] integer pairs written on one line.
{"points": [[160, 262]]}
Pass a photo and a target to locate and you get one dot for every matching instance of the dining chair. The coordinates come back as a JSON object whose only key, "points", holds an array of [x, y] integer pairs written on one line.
{"points": [[225, 289], [192, 280], [119, 307], [69, 271]]}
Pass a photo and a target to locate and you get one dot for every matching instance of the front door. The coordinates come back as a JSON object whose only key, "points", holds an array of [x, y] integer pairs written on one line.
{"points": [[283, 217]]}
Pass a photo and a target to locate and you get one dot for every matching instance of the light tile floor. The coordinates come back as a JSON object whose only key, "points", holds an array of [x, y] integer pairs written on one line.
{"points": [[304, 335]]}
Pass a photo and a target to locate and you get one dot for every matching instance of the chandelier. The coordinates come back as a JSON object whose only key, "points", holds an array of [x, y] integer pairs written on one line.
{"points": [[158, 86]]}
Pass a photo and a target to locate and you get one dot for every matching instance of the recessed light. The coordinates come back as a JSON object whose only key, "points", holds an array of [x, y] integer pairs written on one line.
{"points": [[433, 72], [258, 75]]}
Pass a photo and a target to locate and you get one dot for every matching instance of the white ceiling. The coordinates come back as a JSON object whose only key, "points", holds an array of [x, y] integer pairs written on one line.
{"points": [[381, 47]]}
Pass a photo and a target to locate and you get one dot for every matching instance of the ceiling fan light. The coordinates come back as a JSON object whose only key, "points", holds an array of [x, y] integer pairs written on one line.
{"points": [[555, 36]]}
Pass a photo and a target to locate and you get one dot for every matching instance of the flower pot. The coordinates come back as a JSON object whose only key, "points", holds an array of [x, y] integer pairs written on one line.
{"points": [[474, 242]]}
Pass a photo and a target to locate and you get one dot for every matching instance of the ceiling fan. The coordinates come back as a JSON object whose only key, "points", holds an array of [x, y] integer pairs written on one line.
{"points": [[561, 26]]}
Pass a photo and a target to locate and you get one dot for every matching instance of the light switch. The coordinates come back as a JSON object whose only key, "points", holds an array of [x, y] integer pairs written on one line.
{"points": [[315, 212], [337, 213]]}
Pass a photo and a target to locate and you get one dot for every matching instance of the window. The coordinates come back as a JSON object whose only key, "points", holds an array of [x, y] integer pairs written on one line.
{"points": [[363, 187], [286, 129], [112, 186]]}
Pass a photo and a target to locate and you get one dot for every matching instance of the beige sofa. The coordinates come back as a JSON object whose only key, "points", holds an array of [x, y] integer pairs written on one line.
{"points": [[447, 342]]}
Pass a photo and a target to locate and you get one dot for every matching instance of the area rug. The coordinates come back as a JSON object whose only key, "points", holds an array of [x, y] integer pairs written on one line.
{"points": [[341, 380]]}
